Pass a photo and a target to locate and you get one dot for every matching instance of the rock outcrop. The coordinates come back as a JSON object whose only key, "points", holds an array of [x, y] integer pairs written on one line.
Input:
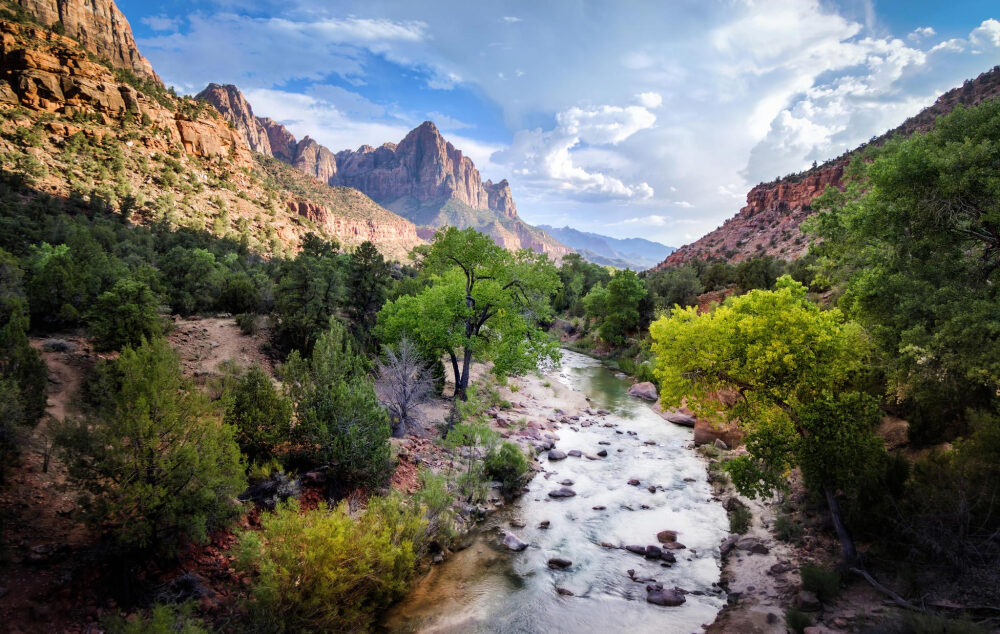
{"points": [[282, 142], [769, 223], [233, 106], [315, 160], [99, 27]]}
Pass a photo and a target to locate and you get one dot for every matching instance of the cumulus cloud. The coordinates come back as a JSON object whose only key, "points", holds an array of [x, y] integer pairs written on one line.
{"points": [[546, 159], [650, 100], [986, 34], [921, 33], [161, 22]]}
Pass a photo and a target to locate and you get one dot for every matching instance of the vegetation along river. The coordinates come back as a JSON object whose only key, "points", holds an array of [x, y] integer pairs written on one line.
{"points": [[487, 588]]}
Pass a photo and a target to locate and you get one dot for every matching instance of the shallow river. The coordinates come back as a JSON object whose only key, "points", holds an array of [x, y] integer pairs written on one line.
{"points": [[485, 588]]}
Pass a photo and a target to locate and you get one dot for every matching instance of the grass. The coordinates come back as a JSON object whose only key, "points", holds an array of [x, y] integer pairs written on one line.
{"points": [[821, 581], [739, 519]]}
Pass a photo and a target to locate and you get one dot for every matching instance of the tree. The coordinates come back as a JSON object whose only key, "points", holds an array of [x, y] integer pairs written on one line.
{"points": [[338, 418], [402, 382], [578, 276], [915, 238], [367, 281], [309, 291], [260, 415], [616, 308], [194, 279], [125, 315], [21, 366], [158, 466], [795, 370], [675, 285], [758, 272], [484, 303]]}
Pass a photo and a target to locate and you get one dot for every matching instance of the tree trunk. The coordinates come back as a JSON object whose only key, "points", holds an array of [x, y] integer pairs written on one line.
{"points": [[848, 551], [466, 363], [455, 373]]}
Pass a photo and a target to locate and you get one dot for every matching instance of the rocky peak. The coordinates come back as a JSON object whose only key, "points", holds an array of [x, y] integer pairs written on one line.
{"points": [[234, 107], [281, 141], [315, 160], [99, 27]]}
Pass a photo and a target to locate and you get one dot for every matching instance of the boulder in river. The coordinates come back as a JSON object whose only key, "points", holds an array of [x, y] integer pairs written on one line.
{"points": [[662, 596], [555, 454], [559, 563], [564, 592], [576, 453], [665, 537], [603, 453], [638, 550], [513, 542], [633, 482], [653, 552], [562, 493], [645, 390], [678, 418]]}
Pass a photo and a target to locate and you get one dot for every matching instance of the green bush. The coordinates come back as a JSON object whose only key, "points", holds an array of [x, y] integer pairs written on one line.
{"points": [[325, 571], [786, 528], [163, 618], [437, 502], [157, 465], [823, 582], [507, 465], [239, 294], [260, 415], [247, 323], [797, 620], [740, 518], [125, 315]]}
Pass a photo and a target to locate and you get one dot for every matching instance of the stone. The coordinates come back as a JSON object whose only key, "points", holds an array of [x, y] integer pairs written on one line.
{"points": [[807, 601], [633, 482], [514, 543], [678, 418], [753, 545], [638, 550], [559, 563], [517, 523], [603, 453], [544, 524], [666, 598], [564, 592], [653, 552], [555, 454], [562, 493], [576, 453], [781, 567], [566, 483], [720, 444], [728, 544], [599, 507], [665, 537], [645, 390]]}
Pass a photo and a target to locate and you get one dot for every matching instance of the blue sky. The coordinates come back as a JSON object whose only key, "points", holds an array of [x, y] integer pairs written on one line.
{"points": [[633, 119]]}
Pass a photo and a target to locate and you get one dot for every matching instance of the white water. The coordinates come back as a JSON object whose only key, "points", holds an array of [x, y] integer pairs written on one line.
{"points": [[487, 589]]}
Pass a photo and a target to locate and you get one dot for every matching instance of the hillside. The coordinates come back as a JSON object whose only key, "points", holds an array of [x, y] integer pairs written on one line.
{"points": [[769, 223], [637, 254], [423, 178], [76, 128]]}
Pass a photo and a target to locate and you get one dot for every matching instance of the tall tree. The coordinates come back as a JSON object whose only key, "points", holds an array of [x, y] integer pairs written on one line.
{"points": [[367, 281], [485, 302], [795, 370]]}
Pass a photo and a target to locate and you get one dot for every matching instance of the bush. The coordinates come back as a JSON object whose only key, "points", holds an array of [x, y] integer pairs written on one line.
{"points": [[797, 620], [437, 502], [260, 415], [239, 294], [247, 323], [787, 529], [823, 582], [162, 619], [740, 518], [507, 464], [125, 315], [324, 571], [157, 465]]}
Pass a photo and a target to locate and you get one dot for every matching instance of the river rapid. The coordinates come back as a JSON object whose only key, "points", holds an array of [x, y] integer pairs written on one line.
{"points": [[486, 588]]}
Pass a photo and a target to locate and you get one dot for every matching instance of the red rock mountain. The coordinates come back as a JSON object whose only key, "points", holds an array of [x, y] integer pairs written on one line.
{"points": [[99, 26], [424, 178], [769, 223]]}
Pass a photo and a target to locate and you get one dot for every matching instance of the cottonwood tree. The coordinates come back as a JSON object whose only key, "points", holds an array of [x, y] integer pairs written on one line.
{"points": [[484, 303], [616, 307], [403, 380], [795, 369]]}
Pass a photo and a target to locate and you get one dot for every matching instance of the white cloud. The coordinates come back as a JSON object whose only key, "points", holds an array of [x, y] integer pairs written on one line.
{"points": [[510, 19], [921, 33], [986, 34], [161, 22], [954, 45], [683, 203], [651, 100]]}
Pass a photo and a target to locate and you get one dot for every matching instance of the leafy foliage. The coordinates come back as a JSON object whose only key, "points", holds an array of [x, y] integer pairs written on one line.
{"points": [[260, 415], [125, 315], [325, 571], [158, 466], [508, 465], [616, 307]]}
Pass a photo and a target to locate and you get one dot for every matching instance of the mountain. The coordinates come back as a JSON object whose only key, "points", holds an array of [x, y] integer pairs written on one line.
{"points": [[637, 254], [769, 223], [98, 26], [423, 178], [75, 128]]}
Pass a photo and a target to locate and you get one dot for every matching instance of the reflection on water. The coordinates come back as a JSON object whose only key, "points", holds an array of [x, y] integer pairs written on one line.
{"points": [[487, 589]]}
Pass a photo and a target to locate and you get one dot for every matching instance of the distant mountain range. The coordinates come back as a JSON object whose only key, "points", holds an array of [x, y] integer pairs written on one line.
{"points": [[637, 254]]}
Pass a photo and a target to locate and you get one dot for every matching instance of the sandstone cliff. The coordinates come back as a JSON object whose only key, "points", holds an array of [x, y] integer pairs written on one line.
{"points": [[99, 26], [769, 223], [236, 110], [173, 159]]}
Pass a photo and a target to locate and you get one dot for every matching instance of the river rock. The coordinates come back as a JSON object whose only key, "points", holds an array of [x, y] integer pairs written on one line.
{"points": [[653, 552], [559, 563], [633, 482], [807, 601], [728, 544], [555, 454], [664, 597], [544, 524], [678, 418], [513, 542], [638, 550], [645, 390], [753, 545], [576, 453], [562, 493], [564, 592], [567, 482], [720, 444], [517, 523], [603, 453], [665, 537]]}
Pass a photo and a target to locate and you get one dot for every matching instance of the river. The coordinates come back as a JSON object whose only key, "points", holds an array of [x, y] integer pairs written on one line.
{"points": [[486, 588]]}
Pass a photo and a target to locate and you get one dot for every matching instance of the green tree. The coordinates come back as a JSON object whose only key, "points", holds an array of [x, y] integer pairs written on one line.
{"points": [[194, 279], [616, 307], [675, 285], [125, 315], [578, 276], [309, 291], [795, 369], [55, 289], [158, 466], [260, 415], [484, 303], [21, 366], [915, 237], [367, 282], [758, 272], [339, 419]]}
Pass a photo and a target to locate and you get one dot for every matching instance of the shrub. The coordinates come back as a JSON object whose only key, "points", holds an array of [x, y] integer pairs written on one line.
{"points": [[158, 467], [507, 465], [786, 528], [163, 618], [740, 518], [437, 502], [247, 323], [260, 415], [797, 620], [823, 582], [239, 294], [322, 570], [937, 624], [125, 315]]}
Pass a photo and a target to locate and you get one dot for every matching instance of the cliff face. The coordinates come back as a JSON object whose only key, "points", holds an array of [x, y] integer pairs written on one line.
{"points": [[315, 160], [769, 223], [99, 26], [281, 141], [229, 101]]}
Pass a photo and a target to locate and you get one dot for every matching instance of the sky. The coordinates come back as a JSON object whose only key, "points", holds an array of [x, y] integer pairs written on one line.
{"points": [[642, 118]]}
